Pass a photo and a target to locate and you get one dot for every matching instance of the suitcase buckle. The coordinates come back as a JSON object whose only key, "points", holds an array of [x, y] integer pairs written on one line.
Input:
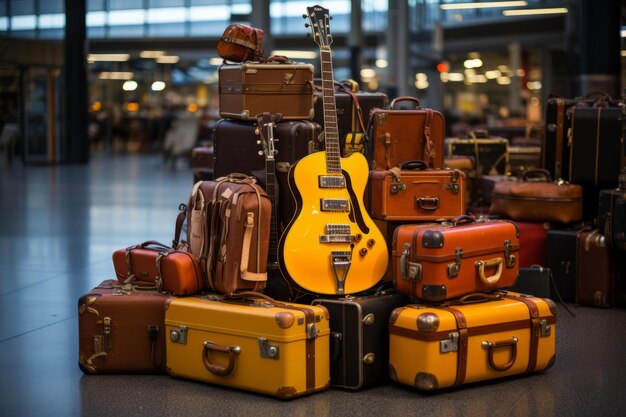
{"points": [[455, 268], [179, 335], [267, 350], [510, 259], [311, 331], [545, 328]]}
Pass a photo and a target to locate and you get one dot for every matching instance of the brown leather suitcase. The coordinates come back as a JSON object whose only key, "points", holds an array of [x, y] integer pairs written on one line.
{"points": [[412, 192], [228, 230], [251, 88], [202, 163], [171, 270], [596, 271], [121, 329], [538, 201], [436, 262], [399, 135]]}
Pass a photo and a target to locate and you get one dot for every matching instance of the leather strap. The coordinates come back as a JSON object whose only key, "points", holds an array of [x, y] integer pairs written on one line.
{"points": [[245, 252], [535, 330], [597, 147], [180, 220], [461, 323], [429, 152], [387, 142]]}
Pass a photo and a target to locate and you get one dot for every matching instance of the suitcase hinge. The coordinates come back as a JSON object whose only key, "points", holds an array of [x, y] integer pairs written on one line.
{"points": [[545, 327], [396, 181], [455, 268], [266, 350], [510, 259], [451, 344], [179, 335], [453, 186]]}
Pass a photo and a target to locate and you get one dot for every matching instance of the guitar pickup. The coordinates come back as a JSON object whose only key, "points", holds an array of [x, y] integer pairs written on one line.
{"points": [[334, 204], [336, 239], [332, 181]]}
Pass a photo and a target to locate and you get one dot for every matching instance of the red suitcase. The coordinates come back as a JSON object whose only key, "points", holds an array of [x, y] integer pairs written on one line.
{"points": [[436, 262], [121, 329], [596, 271], [533, 247]]}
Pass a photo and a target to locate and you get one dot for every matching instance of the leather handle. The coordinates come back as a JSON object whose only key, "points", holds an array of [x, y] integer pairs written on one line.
{"points": [[215, 369], [249, 294], [413, 165], [462, 219], [404, 98], [478, 297], [427, 203], [480, 267], [540, 173], [492, 346], [336, 339]]}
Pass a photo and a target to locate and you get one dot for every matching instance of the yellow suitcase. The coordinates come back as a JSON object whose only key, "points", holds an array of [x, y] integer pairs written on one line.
{"points": [[438, 347], [252, 343]]}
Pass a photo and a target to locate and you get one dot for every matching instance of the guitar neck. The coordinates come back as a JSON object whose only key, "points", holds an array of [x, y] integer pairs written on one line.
{"points": [[271, 189], [331, 131]]}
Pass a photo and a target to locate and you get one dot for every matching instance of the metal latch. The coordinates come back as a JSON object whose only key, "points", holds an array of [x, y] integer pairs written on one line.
{"points": [[455, 268], [409, 270], [179, 335], [546, 328], [510, 259], [451, 344], [266, 350], [107, 334], [369, 319], [311, 331]]}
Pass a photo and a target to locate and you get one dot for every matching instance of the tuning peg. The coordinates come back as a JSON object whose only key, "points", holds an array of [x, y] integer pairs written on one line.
{"points": [[308, 35], [330, 18], [306, 25], [304, 16]]}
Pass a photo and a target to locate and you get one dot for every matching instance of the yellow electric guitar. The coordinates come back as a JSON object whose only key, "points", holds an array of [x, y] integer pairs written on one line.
{"points": [[331, 246]]}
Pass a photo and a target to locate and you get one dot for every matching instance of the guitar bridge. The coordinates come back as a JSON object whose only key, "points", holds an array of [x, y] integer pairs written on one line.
{"points": [[337, 233]]}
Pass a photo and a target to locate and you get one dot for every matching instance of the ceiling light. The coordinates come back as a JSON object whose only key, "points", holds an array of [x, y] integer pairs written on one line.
{"points": [[108, 57], [455, 76], [167, 59], [443, 77], [483, 5], [130, 85], [158, 86], [382, 63], [420, 76], [492, 75], [116, 75], [368, 73], [528, 12], [151, 54], [503, 80], [295, 54], [421, 84]]}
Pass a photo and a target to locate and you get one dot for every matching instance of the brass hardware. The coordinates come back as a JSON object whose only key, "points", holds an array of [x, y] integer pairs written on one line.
{"points": [[369, 319], [363, 251], [510, 259], [267, 350], [427, 322], [179, 335], [369, 358], [455, 268], [371, 242], [546, 328]]}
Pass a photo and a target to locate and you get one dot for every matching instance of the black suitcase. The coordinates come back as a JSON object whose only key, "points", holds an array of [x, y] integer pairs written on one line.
{"points": [[238, 148], [534, 281], [359, 346], [347, 115], [561, 259], [594, 153], [491, 154]]}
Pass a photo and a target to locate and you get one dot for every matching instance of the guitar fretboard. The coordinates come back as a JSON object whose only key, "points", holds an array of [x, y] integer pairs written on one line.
{"points": [[331, 132]]}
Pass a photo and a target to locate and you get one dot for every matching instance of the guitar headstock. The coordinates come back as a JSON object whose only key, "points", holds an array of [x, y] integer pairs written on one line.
{"points": [[319, 21], [265, 129]]}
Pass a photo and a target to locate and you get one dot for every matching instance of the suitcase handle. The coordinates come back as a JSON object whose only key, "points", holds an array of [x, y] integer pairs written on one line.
{"points": [[492, 346], [404, 98], [462, 219], [413, 165], [427, 203], [219, 370], [480, 267], [537, 174]]}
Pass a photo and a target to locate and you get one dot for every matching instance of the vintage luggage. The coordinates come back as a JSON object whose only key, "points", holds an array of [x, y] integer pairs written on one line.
{"points": [[437, 347], [561, 259], [467, 164], [241, 43], [436, 262], [533, 239], [353, 109], [359, 343], [251, 88], [594, 153], [612, 216], [558, 133], [202, 163], [121, 329], [171, 270], [491, 154], [484, 188], [399, 135], [538, 201], [413, 192], [254, 344], [228, 228], [596, 271], [523, 158], [535, 280], [237, 149]]}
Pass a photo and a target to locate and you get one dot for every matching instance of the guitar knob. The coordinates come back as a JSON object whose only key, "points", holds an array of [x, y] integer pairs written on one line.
{"points": [[260, 153], [363, 251], [371, 242], [257, 131], [258, 142]]}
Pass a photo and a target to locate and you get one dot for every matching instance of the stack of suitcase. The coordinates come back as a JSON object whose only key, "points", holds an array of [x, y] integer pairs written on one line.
{"points": [[433, 309]]}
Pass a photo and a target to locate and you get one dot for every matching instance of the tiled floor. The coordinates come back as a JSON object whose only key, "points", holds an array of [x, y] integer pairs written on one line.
{"points": [[58, 228]]}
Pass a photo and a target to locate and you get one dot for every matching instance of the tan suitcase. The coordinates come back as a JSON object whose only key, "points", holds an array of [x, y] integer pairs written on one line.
{"points": [[251, 343], [252, 88]]}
